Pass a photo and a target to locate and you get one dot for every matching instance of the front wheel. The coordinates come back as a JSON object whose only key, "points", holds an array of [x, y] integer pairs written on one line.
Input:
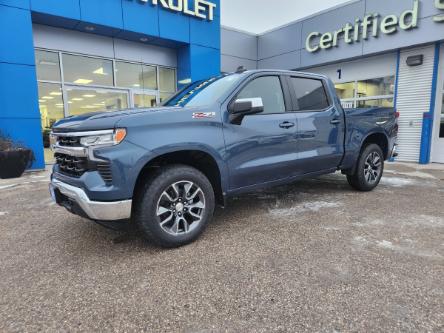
{"points": [[369, 169], [174, 206]]}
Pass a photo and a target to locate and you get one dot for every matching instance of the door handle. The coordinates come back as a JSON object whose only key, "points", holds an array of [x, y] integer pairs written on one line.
{"points": [[335, 122], [286, 125]]}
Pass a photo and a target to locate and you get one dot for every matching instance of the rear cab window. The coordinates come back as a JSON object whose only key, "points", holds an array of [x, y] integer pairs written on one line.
{"points": [[309, 94]]}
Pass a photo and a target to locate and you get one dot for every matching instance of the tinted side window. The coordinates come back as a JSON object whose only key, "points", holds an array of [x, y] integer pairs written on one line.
{"points": [[269, 89], [310, 94]]}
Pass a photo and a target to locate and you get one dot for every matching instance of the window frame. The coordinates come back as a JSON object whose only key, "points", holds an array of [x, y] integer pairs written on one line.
{"points": [[296, 107], [284, 88], [115, 87]]}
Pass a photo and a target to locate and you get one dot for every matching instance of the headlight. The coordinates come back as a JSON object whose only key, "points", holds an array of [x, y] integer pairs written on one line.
{"points": [[104, 139]]}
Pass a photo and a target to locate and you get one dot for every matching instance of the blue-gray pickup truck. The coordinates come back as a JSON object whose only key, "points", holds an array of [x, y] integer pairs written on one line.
{"points": [[165, 169]]}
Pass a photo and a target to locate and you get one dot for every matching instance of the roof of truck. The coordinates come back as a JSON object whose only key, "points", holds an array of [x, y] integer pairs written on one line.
{"points": [[258, 71]]}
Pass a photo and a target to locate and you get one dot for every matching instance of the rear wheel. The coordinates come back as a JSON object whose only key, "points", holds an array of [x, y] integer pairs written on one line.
{"points": [[369, 169], [174, 206]]}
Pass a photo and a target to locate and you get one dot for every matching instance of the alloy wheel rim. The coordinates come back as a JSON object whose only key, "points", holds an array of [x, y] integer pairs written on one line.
{"points": [[372, 168], [181, 208]]}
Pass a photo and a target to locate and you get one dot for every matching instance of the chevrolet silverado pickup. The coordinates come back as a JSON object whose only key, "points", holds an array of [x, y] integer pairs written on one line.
{"points": [[164, 169]]}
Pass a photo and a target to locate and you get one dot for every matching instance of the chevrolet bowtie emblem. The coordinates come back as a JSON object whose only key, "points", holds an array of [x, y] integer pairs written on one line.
{"points": [[439, 4]]}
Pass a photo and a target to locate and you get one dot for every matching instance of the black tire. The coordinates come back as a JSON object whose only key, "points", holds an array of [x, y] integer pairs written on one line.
{"points": [[150, 195], [360, 180]]}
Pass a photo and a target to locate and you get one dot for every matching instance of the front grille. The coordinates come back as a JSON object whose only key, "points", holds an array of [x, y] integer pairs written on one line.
{"points": [[105, 172], [71, 165], [69, 141]]}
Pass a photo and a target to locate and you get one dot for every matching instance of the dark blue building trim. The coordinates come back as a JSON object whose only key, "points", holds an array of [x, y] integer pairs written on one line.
{"points": [[427, 124]]}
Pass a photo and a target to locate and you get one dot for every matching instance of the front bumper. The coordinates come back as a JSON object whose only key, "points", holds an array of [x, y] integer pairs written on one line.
{"points": [[77, 202]]}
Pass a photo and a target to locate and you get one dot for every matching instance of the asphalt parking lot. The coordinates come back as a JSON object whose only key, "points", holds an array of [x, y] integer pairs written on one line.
{"points": [[313, 256]]}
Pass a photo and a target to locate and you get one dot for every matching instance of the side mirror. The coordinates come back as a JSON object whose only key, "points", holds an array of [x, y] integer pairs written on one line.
{"points": [[244, 107]]}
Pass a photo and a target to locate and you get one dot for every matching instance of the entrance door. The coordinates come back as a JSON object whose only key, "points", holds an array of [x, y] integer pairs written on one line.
{"points": [[438, 136]]}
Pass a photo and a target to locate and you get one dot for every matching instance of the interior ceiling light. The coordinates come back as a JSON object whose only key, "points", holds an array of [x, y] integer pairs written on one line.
{"points": [[56, 93], [100, 71], [89, 28], [48, 63], [186, 81], [89, 96], [83, 81], [47, 97], [136, 85], [144, 39], [77, 99]]}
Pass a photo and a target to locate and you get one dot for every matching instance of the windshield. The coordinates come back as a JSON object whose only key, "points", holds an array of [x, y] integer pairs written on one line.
{"points": [[205, 92]]}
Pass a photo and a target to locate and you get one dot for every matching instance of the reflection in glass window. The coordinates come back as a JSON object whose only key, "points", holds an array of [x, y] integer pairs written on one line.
{"points": [[310, 93], [47, 65], [87, 71], [269, 89], [370, 103], [376, 87], [345, 90], [144, 101], [82, 101], [167, 79]]}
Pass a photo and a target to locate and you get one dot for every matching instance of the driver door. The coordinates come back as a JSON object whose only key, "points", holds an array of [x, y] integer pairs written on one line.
{"points": [[263, 148]]}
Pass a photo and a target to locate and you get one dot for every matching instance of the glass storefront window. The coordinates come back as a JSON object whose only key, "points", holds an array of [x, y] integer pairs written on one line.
{"points": [[129, 75], [136, 76], [144, 101], [82, 101], [370, 103], [47, 66], [164, 96], [376, 87], [87, 71], [150, 77], [50, 103], [345, 90], [167, 79]]}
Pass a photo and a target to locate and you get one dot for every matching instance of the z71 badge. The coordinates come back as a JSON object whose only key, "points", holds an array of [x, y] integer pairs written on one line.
{"points": [[203, 115]]}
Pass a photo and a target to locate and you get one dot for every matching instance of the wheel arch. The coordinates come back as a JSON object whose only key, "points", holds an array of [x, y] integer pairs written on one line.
{"points": [[196, 157], [379, 138]]}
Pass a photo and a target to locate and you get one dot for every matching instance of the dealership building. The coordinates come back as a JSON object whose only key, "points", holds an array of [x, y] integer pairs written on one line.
{"points": [[71, 57]]}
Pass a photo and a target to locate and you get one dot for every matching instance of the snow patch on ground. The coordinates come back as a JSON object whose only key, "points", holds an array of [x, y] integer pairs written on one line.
{"points": [[7, 186], [406, 246], [397, 182], [386, 244], [417, 174], [314, 206]]}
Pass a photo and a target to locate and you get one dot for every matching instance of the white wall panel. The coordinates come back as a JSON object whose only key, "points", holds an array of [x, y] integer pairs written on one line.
{"points": [[90, 44], [414, 93], [361, 69]]}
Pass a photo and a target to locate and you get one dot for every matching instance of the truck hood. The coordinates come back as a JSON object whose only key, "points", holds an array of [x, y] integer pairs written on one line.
{"points": [[103, 120]]}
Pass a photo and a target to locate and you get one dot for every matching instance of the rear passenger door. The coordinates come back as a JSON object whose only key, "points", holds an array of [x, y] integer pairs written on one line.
{"points": [[320, 130], [263, 148]]}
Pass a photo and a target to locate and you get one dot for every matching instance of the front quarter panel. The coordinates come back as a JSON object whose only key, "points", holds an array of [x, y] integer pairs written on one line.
{"points": [[180, 129]]}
